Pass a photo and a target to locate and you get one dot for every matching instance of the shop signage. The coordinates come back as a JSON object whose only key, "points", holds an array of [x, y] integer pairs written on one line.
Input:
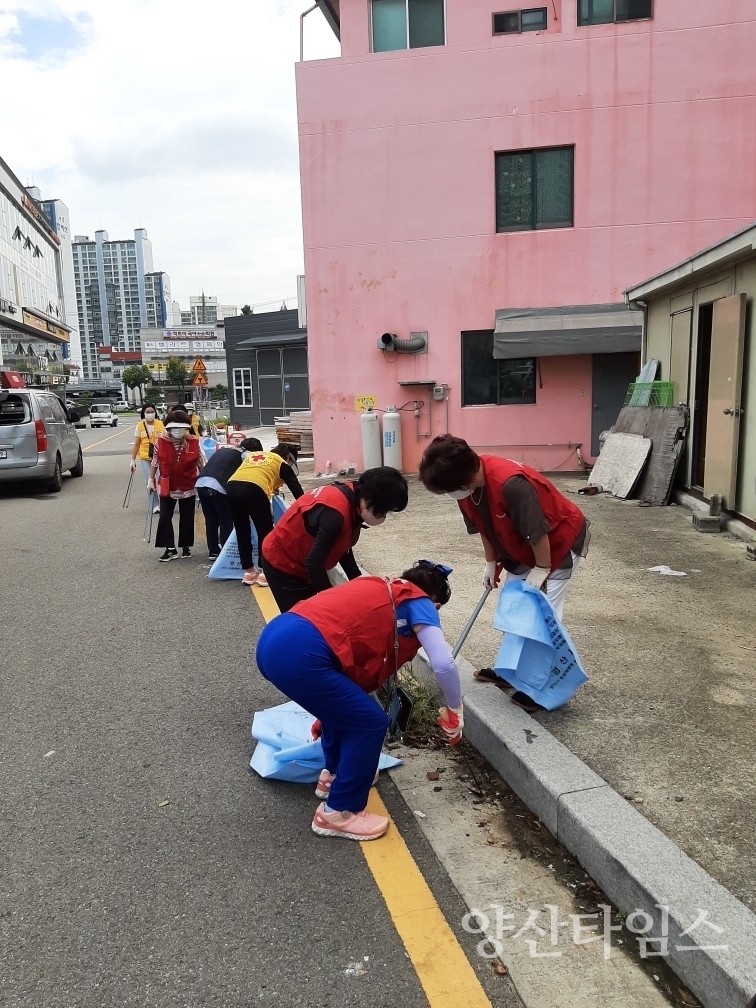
{"points": [[183, 346], [32, 320]]}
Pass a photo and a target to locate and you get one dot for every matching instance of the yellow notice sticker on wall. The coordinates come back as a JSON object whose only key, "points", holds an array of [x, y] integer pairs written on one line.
{"points": [[365, 402]]}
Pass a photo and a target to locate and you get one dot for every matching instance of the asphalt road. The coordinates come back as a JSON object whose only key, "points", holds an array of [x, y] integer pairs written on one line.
{"points": [[128, 684]]}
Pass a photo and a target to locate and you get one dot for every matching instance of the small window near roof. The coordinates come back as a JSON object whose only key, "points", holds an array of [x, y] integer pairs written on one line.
{"points": [[591, 12], [514, 22]]}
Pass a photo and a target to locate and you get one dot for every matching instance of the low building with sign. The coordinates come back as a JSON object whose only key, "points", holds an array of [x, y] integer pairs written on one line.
{"points": [[34, 335], [267, 367], [187, 343]]}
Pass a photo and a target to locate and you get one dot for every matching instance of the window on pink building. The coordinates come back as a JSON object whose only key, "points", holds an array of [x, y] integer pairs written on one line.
{"points": [[490, 382], [592, 12], [407, 24], [534, 189], [511, 22]]}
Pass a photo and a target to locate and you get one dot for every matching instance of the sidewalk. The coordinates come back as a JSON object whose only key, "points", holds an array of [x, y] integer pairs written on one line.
{"points": [[669, 714]]}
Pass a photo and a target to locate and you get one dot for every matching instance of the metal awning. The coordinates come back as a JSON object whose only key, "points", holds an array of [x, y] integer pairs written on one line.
{"points": [[558, 332]]}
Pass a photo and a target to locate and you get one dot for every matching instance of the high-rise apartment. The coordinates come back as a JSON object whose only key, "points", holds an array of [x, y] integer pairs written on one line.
{"points": [[117, 294]]}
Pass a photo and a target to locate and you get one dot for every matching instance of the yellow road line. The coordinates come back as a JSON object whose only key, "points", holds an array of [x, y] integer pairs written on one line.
{"points": [[124, 431], [446, 976], [448, 979]]}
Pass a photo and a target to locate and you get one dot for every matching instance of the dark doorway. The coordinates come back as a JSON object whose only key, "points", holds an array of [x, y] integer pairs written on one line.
{"points": [[701, 398], [612, 374]]}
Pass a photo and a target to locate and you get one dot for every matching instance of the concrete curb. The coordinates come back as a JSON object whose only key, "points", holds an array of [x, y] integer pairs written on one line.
{"points": [[636, 865], [729, 522]]}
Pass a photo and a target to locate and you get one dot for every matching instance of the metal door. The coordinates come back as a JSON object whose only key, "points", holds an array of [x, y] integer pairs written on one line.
{"points": [[612, 374], [725, 382], [270, 385]]}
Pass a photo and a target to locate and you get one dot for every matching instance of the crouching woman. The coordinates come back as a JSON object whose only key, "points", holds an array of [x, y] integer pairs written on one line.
{"points": [[330, 652]]}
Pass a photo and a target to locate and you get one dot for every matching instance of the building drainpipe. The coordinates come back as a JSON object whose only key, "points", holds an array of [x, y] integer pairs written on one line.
{"points": [[301, 30]]}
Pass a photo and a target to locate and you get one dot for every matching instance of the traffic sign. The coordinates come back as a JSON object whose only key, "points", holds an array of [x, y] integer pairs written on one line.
{"points": [[199, 365], [200, 378]]}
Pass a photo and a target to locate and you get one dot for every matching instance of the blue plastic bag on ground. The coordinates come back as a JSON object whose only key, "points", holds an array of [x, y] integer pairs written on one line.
{"points": [[537, 655], [285, 750], [228, 566]]}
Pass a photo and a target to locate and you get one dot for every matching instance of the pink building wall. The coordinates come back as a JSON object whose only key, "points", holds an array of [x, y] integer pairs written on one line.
{"points": [[397, 168]]}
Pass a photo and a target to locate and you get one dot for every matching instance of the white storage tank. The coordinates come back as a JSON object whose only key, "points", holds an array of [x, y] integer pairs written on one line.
{"points": [[371, 440], [392, 438]]}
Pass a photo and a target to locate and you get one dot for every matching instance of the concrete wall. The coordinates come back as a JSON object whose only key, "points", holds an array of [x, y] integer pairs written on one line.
{"points": [[397, 162]]}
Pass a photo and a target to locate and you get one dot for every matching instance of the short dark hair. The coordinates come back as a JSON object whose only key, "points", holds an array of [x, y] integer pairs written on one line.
{"points": [[148, 405], [449, 463], [177, 416], [251, 444], [285, 450], [433, 582], [383, 489]]}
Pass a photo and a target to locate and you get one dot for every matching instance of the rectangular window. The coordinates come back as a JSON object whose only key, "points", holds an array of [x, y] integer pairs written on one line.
{"points": [[242, 386], [407, 24], [534, 189], [511, 22], [591, 12], [490, 382]]}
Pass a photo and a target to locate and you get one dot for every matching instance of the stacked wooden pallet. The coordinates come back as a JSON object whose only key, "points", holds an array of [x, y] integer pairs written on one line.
{"points": [[298, 431]]}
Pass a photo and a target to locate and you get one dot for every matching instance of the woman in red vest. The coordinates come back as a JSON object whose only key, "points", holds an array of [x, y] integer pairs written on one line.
{"points": [[331, 651], [176, 463], [319, 530], [528, 528]]}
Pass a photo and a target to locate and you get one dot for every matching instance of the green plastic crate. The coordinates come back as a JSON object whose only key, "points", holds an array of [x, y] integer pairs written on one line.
{"points": [[656, 393]]}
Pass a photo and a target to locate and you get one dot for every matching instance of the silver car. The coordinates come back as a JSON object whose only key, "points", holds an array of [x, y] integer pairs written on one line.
{"points": [[38, 440]]}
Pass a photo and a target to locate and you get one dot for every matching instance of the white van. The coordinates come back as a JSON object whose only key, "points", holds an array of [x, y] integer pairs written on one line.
{"points": [[102, 415]]}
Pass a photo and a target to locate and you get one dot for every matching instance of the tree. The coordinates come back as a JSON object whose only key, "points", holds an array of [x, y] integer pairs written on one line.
{"points": [[135, 376], [218, 392], [246, 310], [176, 372]]}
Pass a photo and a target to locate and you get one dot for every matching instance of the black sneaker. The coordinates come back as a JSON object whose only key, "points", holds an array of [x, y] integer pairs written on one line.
{"points": [[170, 554], [213, 556], [185, 552]]}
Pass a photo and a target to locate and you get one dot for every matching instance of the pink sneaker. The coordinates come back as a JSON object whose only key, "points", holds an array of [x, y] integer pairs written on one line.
{"points": [[326, 779], [261, 580], [350, 825], [251, 577]]}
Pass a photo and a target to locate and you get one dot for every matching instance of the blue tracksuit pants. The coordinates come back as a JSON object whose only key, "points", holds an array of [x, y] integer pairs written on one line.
{"points": [[292, 654]]}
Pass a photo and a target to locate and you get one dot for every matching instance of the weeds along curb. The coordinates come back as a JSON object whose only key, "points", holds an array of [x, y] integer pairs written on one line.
{"points": [[635, 864]]}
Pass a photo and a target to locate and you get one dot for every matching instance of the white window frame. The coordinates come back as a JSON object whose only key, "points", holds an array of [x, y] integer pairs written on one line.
{"points": [[241, 385], [406, 19]]}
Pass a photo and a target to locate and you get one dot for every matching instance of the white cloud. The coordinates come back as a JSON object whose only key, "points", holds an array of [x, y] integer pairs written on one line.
{"points": [[174, 115]]}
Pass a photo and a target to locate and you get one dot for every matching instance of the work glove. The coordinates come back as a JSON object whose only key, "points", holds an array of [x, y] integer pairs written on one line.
{"points": [[491, 575], [151, 484], [537, 577], [316, 730], [133, 465], [451, 722]]}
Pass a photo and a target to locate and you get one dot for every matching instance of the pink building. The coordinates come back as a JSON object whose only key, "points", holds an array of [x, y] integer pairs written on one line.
{"points": [[461, 163]]}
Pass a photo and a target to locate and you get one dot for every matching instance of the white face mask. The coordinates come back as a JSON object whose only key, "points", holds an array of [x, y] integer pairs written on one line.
{"points": [[149, 417], [370, 519], [177, 432], [458, 494]]}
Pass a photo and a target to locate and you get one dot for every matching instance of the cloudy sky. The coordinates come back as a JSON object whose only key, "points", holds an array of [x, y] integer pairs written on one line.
{"points": [[174, 115]]}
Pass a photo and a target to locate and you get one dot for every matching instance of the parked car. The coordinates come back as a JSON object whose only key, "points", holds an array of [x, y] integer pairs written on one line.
{"points": [[121, 406], [38, 440], [102, 415]]}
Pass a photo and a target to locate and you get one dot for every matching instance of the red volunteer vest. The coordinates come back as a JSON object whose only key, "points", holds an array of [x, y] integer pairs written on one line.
{"points": [[177, 472], [287, 546], [357, 622], [565, 518]]}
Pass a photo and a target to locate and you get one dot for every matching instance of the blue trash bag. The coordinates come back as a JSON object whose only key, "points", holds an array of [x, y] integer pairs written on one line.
{"points": [[228, 566], [285, 750], [209, 446], [537, 655]]}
